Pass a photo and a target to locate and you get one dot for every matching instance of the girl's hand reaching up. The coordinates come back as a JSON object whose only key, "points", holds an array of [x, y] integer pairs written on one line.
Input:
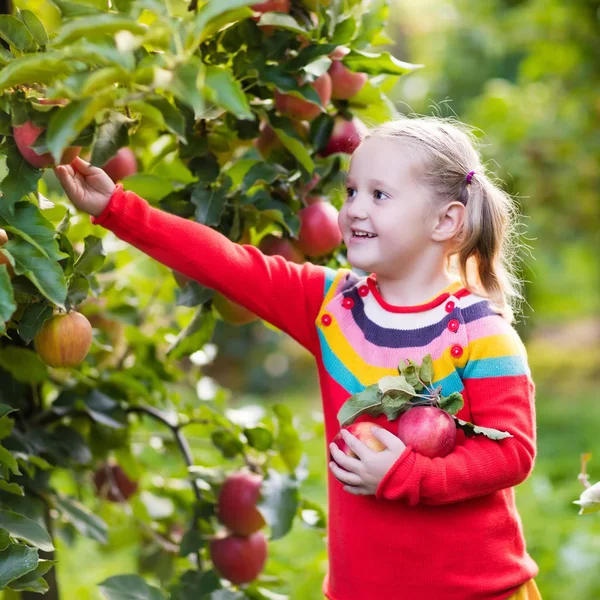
{"points": [[88, 188], [362, 475]]}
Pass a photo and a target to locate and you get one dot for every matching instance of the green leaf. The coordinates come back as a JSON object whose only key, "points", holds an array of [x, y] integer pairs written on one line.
{"points": [[212, 10], [32, 320], [92, 258], [46, 274], [470, 429], [318, 67], [16, 561], [280, 498], [411, 373], [224, 89], [23, 364], [313, 514], [297, 148], [282, 21], [344, 30], [227, 442], [210, 203], [196, 585], [22, 178], [25, 529], [367, 402], [395, 385], [11, 488], [42, 67], [129, 587], [66, 124], [7, 297], [75, 9], [111, 135], [7, 459], [195, 335], [288, 441], [86, 522], [262, 173], [92, 26], [188, 81], [5, 539], [16, 33], [33, 580], [5, 409], [426, 370], [452, 403], [149, 186], [35, 26], [192, 541], [259, 437], [375, 64]]}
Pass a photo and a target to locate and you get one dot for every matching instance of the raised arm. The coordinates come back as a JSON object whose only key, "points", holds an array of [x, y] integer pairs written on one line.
{"points": [[500, 393], [286, 294]]}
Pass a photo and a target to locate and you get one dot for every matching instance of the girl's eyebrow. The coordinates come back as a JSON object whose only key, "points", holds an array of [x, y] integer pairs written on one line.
{"points": [[374, 183]]}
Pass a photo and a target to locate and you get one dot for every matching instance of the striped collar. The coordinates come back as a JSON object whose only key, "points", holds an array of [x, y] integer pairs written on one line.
{"points": [[453, 289]]}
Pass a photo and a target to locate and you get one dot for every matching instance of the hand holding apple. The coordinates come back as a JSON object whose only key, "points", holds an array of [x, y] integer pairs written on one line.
{"points": [[363, 474], [88, 188]]}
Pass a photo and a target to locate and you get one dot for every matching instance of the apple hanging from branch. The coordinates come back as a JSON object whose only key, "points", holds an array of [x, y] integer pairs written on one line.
{"points": [[237, 503], [240, 559]]}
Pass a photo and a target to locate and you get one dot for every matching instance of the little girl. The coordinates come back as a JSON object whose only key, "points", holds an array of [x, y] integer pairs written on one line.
{"points": [[437, 237]]}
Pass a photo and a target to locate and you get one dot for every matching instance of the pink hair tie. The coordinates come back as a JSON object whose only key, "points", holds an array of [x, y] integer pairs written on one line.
{"points": [[470, 176]]}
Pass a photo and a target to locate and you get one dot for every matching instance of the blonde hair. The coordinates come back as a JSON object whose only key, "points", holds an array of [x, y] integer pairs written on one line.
{"points": [[486, 251]]}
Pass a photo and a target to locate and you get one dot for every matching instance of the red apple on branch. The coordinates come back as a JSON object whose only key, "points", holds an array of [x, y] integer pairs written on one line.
{"points": [[236, 505], [345, 137], [362, 430], [299, 108], [319, 232], [429, 430], [239, 559], [283, 6], [111, 482], [344, 82], [272, 245], [121, 165]]}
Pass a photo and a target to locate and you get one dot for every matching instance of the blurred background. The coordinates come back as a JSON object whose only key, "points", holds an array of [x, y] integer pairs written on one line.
{"points": [[526, 74]]}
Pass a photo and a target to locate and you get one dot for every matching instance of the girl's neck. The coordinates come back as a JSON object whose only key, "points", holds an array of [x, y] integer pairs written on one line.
{"points": [[412, 291]]}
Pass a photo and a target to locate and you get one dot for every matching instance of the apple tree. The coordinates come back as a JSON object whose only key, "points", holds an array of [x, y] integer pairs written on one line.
{"points": [[239, 115]]}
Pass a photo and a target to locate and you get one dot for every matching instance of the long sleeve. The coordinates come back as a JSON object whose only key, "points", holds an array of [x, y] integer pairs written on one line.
{"points": [[500, 394], [286, 294]]}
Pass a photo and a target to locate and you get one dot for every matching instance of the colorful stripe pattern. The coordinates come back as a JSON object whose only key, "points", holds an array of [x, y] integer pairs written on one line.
{"points": [[361, 341]]}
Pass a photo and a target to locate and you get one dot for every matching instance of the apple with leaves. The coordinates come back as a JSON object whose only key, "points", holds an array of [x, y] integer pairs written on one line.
{"points": [[111, 482], [236, 504], [344, 83], [431, 431], [363, 430], [240, 559], [299, 108], [319, 232], [121, 165], [64, 339]]}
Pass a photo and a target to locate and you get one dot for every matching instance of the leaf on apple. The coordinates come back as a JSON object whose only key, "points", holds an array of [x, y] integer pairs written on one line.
{"points": [[411, 373], [470, 429], [395, 386], [452, 403], [367, 402]]}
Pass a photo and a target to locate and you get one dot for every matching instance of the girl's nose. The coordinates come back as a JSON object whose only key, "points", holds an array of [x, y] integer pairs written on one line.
{"points": [[356, 209]]}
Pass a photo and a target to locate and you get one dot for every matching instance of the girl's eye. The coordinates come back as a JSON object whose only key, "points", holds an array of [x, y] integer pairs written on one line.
{"points": [[349, 192], [379, 195]]}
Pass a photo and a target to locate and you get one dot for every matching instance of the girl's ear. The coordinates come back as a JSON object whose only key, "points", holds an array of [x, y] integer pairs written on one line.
{"points": [[449, 222]]}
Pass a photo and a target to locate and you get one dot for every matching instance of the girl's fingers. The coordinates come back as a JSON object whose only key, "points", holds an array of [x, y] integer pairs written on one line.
{"points": [[344, 476], [348, 462], [83, 167]]}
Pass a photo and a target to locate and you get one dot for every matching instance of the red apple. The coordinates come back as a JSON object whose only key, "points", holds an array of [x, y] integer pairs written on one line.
{"points": [[232, 312], [344, 82], [121, 165], [64, 339], [239, 559], [236, 505], [272, 245], [112, 482], [283, 6], [428, 429], [345, 137], [363, 431], [25, 135], [319, 232], [298, 108]]}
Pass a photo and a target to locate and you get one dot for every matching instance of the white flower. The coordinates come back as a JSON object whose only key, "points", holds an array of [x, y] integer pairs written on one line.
{"points": [[589, 501]]}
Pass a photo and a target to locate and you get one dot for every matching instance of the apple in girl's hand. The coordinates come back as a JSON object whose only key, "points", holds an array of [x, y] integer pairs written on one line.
{"points": [[364, 432], [431, 431]]}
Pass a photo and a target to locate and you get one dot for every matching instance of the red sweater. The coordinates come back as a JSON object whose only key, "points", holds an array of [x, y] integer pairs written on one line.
{"points": [[437, 529]]}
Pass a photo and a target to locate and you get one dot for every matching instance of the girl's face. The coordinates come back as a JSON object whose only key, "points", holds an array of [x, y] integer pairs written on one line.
{"points": [[384, 199]]}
